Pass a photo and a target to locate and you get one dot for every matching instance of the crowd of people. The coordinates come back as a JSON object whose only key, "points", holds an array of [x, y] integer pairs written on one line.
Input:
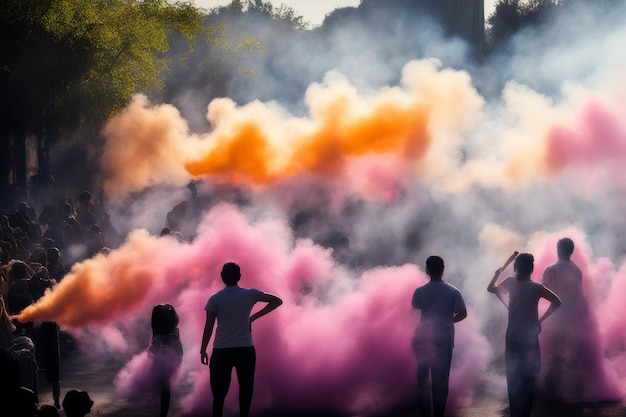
{"points": [[39, 245], [40, 239]]}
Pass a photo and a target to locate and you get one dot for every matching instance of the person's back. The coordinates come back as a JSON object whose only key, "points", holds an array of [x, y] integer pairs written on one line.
{"points": [[166, 350], [232, 306], [233, 346], [522, 354], [438, 301], [565, 278], [523, 325], [573, 357], [441, 305]]}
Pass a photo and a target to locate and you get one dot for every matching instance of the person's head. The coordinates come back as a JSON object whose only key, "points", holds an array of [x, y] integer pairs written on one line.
{"points": [[38, 256], [53, 255], [77, 403], [434, 266], [231, 273], [67, 210], [24, 402], [48, 411], [84, 198], [164, 319], [19, 270], [524, 264], [565, 248]]}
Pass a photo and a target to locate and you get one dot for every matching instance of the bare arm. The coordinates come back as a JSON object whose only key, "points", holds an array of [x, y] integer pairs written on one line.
{"points": [[273, 303], [492, 287], [206, 336], [555, 302], [459, 315]]}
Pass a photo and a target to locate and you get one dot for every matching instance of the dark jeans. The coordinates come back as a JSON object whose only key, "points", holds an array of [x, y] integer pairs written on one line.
{"points": [[432, 380], [523, 363], [243, 359]]}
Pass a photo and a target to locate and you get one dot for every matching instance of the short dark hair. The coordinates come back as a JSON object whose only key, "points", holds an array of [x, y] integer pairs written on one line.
{"points": [[434, 266], [77, 402], [524, 263], [565, 248], [231, 273]]}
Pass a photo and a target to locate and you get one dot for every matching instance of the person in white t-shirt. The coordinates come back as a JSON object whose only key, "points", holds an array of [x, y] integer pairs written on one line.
{"points": [[522, 355], [233, 346], [441, 305]]}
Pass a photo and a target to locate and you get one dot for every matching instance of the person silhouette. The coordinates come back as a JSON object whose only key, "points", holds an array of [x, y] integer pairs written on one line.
{"points": [[233, 346], [166, 350], [77, 403], [522, 355], [441, 305]]}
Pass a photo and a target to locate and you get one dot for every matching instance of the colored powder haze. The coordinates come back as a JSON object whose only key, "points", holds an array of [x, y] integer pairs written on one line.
{"points": [[336, 211]]}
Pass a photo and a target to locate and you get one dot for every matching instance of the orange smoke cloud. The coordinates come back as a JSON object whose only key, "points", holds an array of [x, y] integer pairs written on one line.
{"points": [[256, 143], [145, 146], [259, 143], [104, 286]]}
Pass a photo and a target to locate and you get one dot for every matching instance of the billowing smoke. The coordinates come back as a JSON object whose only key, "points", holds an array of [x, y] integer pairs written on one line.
{"points": [[335, 209], [261, 144]]}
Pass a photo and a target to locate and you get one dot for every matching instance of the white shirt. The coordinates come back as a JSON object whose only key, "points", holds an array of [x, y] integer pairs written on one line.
{"points": [[232, 307]]}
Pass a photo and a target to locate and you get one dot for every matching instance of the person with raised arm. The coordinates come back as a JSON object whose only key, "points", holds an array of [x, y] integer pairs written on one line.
{"points": [[522, 355]]}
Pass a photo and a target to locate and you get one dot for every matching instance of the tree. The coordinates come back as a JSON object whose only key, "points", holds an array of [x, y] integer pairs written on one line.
{"points": [[71, 63]]}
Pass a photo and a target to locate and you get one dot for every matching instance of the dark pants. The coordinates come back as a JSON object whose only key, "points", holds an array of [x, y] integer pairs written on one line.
{"points": [[523, 363], [433, 374], [243, 359]]}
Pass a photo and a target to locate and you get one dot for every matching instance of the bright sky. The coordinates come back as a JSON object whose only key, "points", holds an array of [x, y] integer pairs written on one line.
{"points": [[314, 11]]}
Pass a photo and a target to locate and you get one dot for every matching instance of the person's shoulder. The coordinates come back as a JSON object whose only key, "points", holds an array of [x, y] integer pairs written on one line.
{"points": [[507, 281], [448, 286], [255, 291]]}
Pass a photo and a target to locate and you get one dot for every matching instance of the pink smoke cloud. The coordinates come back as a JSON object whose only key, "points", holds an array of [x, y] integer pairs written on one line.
{"points": [[338, 343], [593, 149]]}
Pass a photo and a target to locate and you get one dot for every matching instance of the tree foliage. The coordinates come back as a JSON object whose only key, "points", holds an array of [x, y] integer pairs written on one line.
{"points": [[64, 63]]}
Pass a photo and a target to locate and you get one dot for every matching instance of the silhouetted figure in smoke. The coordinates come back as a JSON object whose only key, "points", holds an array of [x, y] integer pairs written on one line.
{"points": [[18, 293], [56, 269], [176, 216], [21, 219], [572, 354], [441, 305], [47, 336], [77, 403], [71, 228], [90, 214], [10, 379], [94, 239], [84, 213], [48, 347], [166, 350], [233, 346], [522, 354]]}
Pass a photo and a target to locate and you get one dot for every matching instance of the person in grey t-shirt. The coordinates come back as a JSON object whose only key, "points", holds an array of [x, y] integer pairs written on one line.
{"points": [[233, 346], [522, 356], [441, 305]]}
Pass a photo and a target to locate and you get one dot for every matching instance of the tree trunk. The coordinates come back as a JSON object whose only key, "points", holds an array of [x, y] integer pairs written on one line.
{"points": [[19, 158], [6, 152]]}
